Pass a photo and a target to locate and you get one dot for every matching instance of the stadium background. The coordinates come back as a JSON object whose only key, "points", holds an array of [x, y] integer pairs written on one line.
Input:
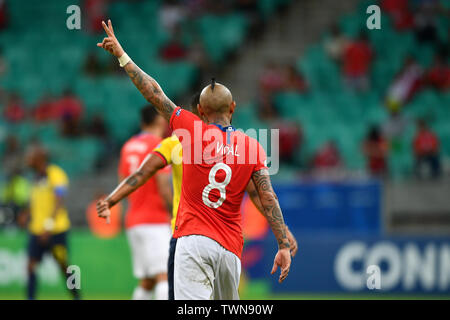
{"points": [[289, 66]]}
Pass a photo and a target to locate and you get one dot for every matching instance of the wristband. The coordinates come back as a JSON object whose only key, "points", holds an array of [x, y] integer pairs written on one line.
{"points": [[49, 224], [124, 59]]}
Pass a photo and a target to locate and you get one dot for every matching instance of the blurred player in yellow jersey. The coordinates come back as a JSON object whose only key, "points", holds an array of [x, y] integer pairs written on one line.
{"points": [[169, 152], [49, 220]]}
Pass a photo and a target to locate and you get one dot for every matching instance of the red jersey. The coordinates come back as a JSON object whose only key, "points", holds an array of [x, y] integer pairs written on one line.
{"points": [[357, 59], [145, 204], [426, 143], [218, 163]]}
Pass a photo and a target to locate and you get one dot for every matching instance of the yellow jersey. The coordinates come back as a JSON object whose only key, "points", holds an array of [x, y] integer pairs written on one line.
{"points": [[170, 149], [43, 200]]}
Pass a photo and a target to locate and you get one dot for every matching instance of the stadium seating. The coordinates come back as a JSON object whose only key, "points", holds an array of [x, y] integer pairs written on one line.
{"points": [[347, 115], [45, 57]]}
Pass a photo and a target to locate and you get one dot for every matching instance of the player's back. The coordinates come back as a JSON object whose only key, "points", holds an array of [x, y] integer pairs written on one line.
{"points": [[145, 204], [217, 167]]}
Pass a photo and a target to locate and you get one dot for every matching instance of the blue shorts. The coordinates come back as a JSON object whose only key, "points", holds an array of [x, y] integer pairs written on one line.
{"points": [[36, 249], [170, 267]]}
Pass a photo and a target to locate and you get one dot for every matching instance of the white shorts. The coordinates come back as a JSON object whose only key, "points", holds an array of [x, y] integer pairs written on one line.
{"points": [[204, 270], [149, 245]]}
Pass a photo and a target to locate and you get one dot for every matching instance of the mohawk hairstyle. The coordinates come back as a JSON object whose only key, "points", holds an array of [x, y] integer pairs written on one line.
{"points": [[213, 83]]}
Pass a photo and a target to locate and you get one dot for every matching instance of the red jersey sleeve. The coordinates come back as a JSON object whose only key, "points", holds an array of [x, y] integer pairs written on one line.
{"points": [[261, 162], [186, 126], [183, 119]]}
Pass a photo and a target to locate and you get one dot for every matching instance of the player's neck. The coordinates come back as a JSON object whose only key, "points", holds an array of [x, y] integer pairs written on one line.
{"points": [[219, 119]]}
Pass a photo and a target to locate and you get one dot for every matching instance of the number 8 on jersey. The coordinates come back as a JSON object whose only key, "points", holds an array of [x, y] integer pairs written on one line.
{"points": [[213, 184]]}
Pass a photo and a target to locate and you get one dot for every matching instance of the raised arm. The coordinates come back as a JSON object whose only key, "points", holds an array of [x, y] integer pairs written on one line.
{"points": [[148, 168], [272, 212], [148, 86], [150, 89]]}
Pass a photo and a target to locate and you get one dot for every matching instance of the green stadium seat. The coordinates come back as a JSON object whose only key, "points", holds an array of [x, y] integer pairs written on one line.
{"points": [[328, 111], [221, 34]]}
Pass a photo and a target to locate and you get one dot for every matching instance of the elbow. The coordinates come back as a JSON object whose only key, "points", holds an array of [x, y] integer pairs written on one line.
{"points": [[272, 196], [269, 199]]}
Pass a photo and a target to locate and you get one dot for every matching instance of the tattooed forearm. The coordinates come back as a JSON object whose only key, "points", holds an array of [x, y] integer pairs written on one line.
{"points": [[150, 89], [271, 207], [254, 196], [126, 187], [148, 168], [134, 179]]}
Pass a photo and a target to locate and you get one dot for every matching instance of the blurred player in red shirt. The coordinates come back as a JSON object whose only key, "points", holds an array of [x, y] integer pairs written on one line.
{"points": [[218, 163], [147, 218], [426, 150]]}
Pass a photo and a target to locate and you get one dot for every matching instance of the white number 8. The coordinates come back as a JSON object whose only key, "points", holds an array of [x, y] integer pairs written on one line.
{"points": [[213, 184]]}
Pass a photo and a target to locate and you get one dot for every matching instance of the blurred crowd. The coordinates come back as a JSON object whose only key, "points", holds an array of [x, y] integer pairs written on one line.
{"points": [[421, 19], [425, 147], [66, 112], [174, 16], [354, 58]]}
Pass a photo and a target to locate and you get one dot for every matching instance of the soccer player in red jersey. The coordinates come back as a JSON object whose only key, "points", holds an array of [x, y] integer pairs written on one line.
{"points": [[218, 163], [147, 219]]}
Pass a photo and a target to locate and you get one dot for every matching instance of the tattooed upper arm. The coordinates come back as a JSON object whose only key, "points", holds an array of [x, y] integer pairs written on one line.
{"points": [[261, 179], [269, 202], [150, 89]]}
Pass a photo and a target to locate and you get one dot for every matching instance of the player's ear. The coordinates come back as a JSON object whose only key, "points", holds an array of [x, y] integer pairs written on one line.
{"points": [[232, 107], [200, 110]]}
